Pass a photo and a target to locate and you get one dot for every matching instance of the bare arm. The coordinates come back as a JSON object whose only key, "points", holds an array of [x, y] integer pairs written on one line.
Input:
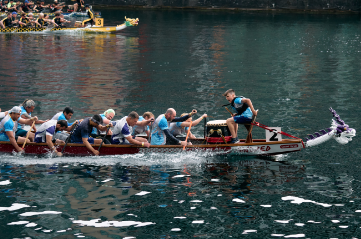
{"points": [[194, 123], [249, 103], [28, 121], [144, 122], [89, 147], [136, 142], [10, 134], [49, 142]]}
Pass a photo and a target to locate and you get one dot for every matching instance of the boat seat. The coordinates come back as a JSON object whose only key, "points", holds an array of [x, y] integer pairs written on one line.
{"points": [[249, 128]]}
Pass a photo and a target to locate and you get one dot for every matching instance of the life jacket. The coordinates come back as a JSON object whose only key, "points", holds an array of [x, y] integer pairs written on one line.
{"points": [[7, 22], [41, 21], [240, 108], [58, 21], [24, 20]]}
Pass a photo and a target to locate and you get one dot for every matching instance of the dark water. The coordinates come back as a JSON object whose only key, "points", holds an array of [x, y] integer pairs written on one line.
{"points": [[293, 67]]}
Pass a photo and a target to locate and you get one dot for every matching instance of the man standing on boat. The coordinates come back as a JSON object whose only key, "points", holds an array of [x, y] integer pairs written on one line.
{"points": [[82, 132], [46, 132], [245, 112], [91, 16], [161, 133], [122, 132], [9, 125]]}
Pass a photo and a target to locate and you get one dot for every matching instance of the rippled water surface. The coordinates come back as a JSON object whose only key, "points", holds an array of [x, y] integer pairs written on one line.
{"points": [[292, 66]]}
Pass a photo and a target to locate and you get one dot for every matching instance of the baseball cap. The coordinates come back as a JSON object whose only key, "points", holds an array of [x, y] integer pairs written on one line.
{"points": [[15, 109]]}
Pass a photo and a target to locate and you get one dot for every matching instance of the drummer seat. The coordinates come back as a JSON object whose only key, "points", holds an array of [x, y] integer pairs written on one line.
{"points": [[249, 128]]}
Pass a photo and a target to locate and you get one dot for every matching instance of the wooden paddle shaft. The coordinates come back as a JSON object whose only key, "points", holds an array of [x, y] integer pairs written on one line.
{"points": [[228, 110], [27, 135], [189, 130]]}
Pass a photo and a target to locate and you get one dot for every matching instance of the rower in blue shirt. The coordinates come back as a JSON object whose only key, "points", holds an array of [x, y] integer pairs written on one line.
{"points": [[161, 134], [9, 125], [245, 112]]}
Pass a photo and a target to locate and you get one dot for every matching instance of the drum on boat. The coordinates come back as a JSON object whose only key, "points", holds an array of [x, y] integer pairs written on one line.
{"points": [[217, 132]]}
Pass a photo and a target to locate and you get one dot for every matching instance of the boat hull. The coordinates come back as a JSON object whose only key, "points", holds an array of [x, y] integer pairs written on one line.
{"points": [[59, 29], [257, 148]]}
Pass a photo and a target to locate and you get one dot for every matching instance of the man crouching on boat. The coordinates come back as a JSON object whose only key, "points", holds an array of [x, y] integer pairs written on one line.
{"points": [[46, 132], [82, 132], [245, 112], [123, 128], [9, 125], [161, 133]]}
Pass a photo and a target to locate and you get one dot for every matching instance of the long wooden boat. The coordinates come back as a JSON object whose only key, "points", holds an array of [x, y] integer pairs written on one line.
{"points": [[258, 147], [94, 29], [66, 14]]}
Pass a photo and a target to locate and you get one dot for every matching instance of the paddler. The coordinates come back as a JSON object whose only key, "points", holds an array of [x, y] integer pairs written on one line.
{"points": [[46, 132], [24, 21], [107, 116], [179, 128], [245, 112], [59, 20], [27, 107], [143, 129], [9, 125], [7, 21], [91, 16], [161, 134], [78, 5], [122, 132], [82, 132], [43, 20], [66, 115]]}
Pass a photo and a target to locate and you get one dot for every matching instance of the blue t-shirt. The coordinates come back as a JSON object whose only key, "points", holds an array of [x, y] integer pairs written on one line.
{"points": [[247, 113], [8, 126], [158, 136], [82, 131], [23, 111]]}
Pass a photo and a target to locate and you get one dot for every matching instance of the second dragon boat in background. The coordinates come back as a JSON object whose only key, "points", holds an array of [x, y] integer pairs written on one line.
{"points": [[97, 28]]}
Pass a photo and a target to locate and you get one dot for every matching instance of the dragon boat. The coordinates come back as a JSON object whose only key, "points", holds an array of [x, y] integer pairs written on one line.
{"points": [[215, 140], [97, 28], [66, 14]]}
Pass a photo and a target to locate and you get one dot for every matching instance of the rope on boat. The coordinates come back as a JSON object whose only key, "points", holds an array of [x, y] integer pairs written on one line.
{"points": [[281, 132]]}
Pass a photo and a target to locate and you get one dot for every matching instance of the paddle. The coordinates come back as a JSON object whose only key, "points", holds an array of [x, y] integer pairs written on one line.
{"points": [[27, 135], [106, 133], [228, 110], [67, 140], [189, 130], [205, 127]]}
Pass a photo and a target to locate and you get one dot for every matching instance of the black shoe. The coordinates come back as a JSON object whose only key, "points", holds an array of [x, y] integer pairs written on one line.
{"points": [[234, 140]]}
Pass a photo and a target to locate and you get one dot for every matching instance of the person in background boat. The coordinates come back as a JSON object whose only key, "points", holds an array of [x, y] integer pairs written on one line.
{"points": [[179, 128], [4, 7], [38, 7], [11, 6], [161, 134], [26, 6], [143, 129], [77, 6], [9, 124], [55, 7], [27, 107], [47, 131], [91, 16], [122, 131], [245, 112], [82, 132], [107, 116]]}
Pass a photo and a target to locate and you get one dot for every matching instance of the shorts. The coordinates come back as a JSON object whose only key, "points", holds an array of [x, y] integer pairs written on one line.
{"points": [[90, 140], [4, 137], [21, 133], [117, 141], [239, 119], [38, 140]]}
